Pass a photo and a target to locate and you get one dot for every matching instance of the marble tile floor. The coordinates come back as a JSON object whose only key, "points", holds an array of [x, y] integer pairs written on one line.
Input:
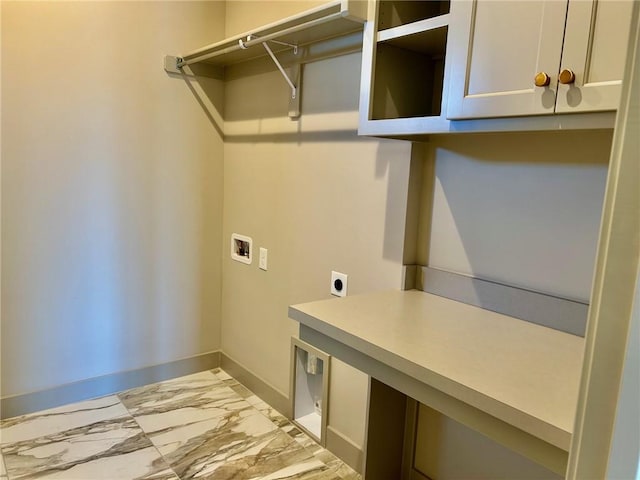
{"points": [[201, 426]]}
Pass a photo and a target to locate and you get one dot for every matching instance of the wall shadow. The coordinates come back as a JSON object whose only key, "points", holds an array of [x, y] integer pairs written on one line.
{"points": [[521, 209]]}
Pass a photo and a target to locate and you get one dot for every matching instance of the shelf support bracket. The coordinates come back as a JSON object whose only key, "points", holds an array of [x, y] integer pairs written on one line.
{"points": [[294, 90], [294, 102]]}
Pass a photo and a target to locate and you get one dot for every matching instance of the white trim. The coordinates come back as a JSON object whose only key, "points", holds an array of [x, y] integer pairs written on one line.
{"points": [[616, 272]]}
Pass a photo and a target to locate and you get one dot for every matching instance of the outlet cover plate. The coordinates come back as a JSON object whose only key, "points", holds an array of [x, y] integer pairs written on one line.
{"points": [[339, 284]]}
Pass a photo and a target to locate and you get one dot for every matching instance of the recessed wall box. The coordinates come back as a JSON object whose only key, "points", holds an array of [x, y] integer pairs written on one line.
{"points": [[310, 369], [241, 248]]}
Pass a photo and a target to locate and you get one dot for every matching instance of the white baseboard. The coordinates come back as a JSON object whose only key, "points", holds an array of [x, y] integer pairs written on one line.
{"points": [[263, 389], [345, 449]]}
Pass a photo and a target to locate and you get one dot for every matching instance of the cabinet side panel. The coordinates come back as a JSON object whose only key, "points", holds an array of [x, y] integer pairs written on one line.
{"points": [[404, 84], [446, 449], [385, 432]]}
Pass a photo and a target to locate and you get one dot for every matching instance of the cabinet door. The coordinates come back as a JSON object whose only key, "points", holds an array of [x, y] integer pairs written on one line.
{"points": [[497, 48], [595, 47]]}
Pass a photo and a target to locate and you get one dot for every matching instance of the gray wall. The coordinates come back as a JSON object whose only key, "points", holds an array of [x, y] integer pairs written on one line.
{"points": [[111, 191], [519, 208], [113, 223], [319, 198], [313, 193]]}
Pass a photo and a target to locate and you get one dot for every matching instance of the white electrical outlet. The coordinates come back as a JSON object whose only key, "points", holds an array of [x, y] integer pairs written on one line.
{"points": [[339, 284]]}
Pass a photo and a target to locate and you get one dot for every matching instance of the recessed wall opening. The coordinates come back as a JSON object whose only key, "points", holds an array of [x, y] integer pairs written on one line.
{"points": [[395, 13], [309, 387], [409, 73], [241, 248]]}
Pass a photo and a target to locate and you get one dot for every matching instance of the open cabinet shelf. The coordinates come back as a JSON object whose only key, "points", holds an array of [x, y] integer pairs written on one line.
{"points": [[409, 75], [393, 14], [412, 29], [403, 67]]}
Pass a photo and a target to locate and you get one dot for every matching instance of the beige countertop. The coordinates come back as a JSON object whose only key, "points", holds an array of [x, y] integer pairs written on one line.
{"points": [[524, 374]]}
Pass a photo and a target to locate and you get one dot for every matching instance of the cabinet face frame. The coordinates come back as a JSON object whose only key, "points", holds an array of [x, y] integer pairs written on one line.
{"points": [[613, 293], [530, 101]]}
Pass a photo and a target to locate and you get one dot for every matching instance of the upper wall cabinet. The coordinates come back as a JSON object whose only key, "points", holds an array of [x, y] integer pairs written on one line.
{"points": [[403, 67], [537, 57]]}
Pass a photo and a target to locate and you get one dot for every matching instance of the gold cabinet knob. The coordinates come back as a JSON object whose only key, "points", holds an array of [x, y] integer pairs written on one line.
{"points": [[542, 79], [567, 76]]}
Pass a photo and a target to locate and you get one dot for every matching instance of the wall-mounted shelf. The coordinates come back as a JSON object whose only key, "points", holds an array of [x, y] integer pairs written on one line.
{"points": [[334, 19]]}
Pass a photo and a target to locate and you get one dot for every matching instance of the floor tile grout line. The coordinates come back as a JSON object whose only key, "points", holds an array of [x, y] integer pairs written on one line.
{"points": [[309, 448], [223, 382], [308, 443], [304, 443], [128, 415], [146, 436], [279, 421]]}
